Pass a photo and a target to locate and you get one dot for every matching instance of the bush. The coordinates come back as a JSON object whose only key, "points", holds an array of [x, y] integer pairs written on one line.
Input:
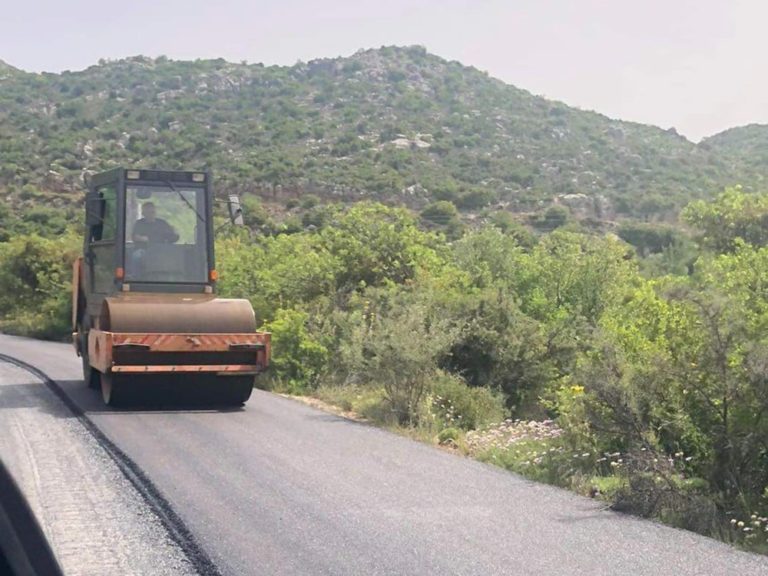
{"points": [[298, 359], [441, 212], [448, 436], [454, 404], [649, 238], [500, 348], [35, 285], [552, 218], [309, 201], [397, 350], [254, 213]]}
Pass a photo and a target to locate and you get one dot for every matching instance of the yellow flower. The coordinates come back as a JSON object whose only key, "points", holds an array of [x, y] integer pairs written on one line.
{"points": [[577, 390]]}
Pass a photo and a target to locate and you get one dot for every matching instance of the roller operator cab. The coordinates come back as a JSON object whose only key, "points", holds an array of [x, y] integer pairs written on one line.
{"points": [[146, 321]]}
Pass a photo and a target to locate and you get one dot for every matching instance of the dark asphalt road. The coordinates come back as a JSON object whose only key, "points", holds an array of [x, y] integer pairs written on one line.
{"points": [[280, 488]]}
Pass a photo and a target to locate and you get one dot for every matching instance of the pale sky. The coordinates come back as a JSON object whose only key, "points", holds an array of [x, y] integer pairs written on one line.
{"points": [[698, 66]]}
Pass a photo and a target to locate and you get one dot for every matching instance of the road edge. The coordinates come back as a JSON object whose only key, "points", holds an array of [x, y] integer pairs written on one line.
{"points": [[157, 503]]}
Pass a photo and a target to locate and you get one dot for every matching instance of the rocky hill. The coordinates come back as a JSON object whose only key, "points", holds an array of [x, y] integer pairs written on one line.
{"points": [[392, 124]]}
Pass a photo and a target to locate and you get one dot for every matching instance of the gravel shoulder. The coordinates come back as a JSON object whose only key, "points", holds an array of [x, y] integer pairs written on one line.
{"points": [[94, 519]]}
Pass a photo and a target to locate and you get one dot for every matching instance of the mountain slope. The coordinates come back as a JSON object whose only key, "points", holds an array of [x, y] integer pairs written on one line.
{"points": [[744, 150], [394, 124]]}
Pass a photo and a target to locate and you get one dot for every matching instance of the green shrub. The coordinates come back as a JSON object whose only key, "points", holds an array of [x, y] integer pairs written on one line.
{"points": [[552, 218], [309, 201], [35, 285], [442, 212], [454, 404], [298, 358], [448, 436], [397, 349]]}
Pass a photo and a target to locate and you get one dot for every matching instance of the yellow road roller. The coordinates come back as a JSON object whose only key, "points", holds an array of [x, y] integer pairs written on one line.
{"points": [[146, 319]]}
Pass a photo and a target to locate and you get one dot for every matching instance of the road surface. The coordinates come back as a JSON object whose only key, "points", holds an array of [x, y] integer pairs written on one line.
{"points": [[281, 488]]}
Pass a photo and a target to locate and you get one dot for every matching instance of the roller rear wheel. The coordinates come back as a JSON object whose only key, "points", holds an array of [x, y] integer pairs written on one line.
{"points": [[90, 375], [112, 389]]}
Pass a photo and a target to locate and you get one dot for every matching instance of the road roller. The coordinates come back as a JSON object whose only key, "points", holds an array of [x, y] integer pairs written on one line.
{"points": [[147, 323]]}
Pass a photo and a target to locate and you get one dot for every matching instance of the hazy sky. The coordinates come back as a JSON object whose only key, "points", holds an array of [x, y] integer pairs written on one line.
{"points": [[699, 66]]}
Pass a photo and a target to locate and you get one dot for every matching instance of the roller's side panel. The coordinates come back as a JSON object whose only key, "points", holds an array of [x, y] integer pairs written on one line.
{"points": [[100, 350], [145, 353]]}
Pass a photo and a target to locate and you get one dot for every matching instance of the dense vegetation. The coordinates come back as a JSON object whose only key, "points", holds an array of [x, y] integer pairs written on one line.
{"points": [[470, 294], [629, 371], [393, 125]]}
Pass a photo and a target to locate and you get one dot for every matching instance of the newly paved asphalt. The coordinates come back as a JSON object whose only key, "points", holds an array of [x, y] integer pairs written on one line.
{"points": [[280, 488]]}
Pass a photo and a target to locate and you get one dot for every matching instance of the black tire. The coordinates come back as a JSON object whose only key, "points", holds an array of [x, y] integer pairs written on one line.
{"points": [[90, 375]]}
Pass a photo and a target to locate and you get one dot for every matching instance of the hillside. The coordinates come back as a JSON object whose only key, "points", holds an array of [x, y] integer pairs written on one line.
{"points": [[743, 149], [392, 124]]}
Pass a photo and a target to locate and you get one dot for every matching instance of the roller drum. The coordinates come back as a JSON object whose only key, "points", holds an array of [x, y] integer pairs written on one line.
{"points": [[188, 314]]}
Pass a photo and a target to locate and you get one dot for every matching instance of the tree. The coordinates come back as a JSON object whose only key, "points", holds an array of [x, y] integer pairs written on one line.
{"points": [[375, 244], [734, 216]]}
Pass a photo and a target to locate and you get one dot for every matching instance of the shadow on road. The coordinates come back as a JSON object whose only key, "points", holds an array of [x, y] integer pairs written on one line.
{"points": [[77, 395]]}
